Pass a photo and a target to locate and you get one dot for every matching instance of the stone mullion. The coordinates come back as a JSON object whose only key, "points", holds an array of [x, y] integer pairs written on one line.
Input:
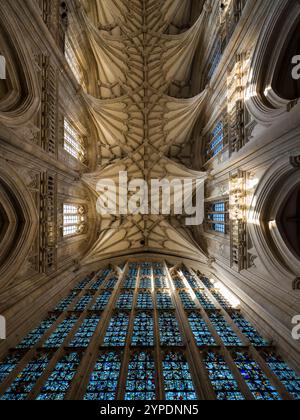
{"points": [[127, 349], [191, 351], [82, 377], [160, 392]]}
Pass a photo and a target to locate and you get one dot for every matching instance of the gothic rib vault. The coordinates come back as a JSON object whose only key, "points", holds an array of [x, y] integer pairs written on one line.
{"points": [[141, 128]]}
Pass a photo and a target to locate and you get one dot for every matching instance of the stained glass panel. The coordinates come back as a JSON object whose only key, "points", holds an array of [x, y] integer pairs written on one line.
{"points": [[187, 300], [146, 283], [140, 384], [117, 331], [60, 334], [26, 380], [61, 378], [83, 303], [164, 300], [257, 381], [102, 301], [249, 331], [222, 379], [144, 301], [200, 330], [125, 300], [9, 364], [224, 330], [35, 336], [169, 330], [143, 334], [104, 379], [86, 331], [177, 378], [65, 303], [205, 300]]}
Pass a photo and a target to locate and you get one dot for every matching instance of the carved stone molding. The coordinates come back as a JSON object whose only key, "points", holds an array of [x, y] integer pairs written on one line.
{"points": [[295, 161]]}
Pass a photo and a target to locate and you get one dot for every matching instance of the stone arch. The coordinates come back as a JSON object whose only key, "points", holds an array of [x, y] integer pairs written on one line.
{"points": [[268, 95], [18, 222], [20, 92], [268, 236]]}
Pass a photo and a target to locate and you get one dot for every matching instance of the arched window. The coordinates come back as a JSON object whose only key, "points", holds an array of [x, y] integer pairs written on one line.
{"points": [[74, 143], [74, 219]]}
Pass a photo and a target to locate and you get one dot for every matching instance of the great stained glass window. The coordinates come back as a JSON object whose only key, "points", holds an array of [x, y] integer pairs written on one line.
{"points": [[143, 334], [146, 283], [285, 374], [61, 378], [224, 330], [257, 381], [221, 299], [105, 377], [60, 334], [169, 330], [85, 333], [35, 336], [100, 280], [26, 380], [200, 330], [117, 331], [177, 378], [140, 384], [222, 379], [9, 364], [161, 283]]}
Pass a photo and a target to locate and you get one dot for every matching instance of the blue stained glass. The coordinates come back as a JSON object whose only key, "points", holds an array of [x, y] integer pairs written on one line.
{"points": [[86, 331], [178, 283], [177, 378], [146, 269], [144, 301], [83, 283], [117, 331], [102, 301], [146, 283], [200, 330], [104, 379], [60, 334], [257, 381], [187, 300], [26, 380], [125, 300], [9, 364], [249, 331], [224, 330], [143, 334], [140, 384], [83, 303], [100, 280], [285, 374], [222, 379], [207, 283], [164, 300], [193, 282], [61, 378], [221, 299], [169, 330], [161, 283], [130, 281], [65, 303], [205, 300], [111, 283], [36, 335]]}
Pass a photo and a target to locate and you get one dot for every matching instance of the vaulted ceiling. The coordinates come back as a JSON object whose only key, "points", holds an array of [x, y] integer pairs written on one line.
{"points": [[144, 51]]}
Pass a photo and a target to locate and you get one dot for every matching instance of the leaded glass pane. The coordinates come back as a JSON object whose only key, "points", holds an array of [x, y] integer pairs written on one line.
{"points": [[144, 301], [105, 377], [224, 330], [177, 378], [205, 300], [257, 381], [222, 379], [200, 330], [26, 380], [9, 364], [169, 330], [249, 331], [164, 300], [35, 336], [117, 331], [65, 303], [140, 384], [61, 378], [146, 283], [143, 334], [85, 333], [60, 334], [187, 300], [83, 303], [125, 300], [102, 301], [178, 283], [285, 374]]}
